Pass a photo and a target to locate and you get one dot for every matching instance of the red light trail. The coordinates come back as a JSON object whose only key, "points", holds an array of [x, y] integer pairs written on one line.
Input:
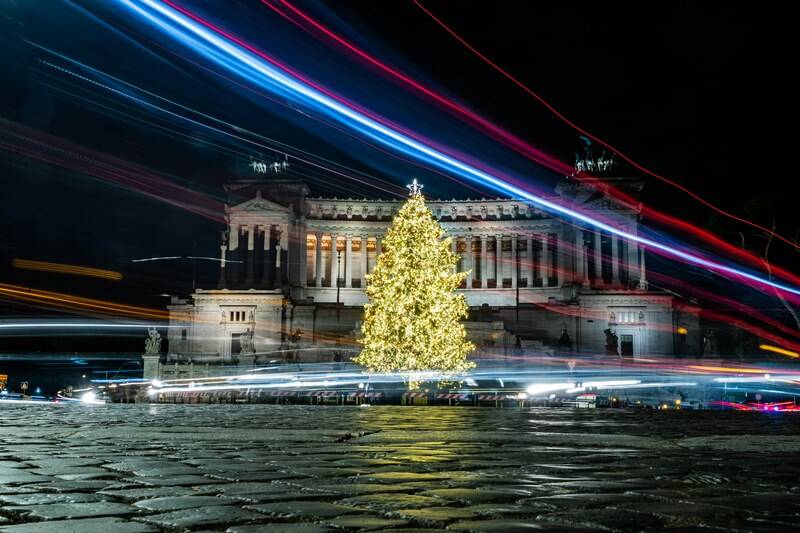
{"points": [[34, 144], [596, 139], [534, 154]]}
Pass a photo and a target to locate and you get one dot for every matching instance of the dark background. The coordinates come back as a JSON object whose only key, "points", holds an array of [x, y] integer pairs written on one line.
{"points": [[703, 93]]}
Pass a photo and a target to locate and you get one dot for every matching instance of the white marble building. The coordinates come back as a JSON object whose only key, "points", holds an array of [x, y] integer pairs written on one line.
{"points": [[547, 282]]}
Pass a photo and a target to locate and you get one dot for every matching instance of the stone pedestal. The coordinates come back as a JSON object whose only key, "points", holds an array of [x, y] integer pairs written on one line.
{"points": [[247, 360], [151, 366]]}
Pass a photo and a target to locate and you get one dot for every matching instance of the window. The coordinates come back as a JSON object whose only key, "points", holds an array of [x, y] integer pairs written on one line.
{"points": [[619, 316], [239, 316]]}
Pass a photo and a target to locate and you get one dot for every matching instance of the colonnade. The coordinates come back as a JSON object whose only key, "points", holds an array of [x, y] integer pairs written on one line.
{"points": [[483, 256], [335, 256], [240, 242], [516, 259]]}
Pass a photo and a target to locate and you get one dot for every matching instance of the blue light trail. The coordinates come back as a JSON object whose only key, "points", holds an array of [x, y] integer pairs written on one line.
{"points": [[258, 68]]}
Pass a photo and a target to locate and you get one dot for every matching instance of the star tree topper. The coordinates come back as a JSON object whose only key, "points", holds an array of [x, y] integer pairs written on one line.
{"points": [[415, 187]]}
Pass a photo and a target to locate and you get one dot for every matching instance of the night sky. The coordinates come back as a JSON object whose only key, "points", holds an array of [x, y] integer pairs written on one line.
{"points": [[701, 93]]}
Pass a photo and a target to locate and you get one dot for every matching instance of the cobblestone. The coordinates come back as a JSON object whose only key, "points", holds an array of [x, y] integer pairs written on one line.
{"points": [[302, 469]]}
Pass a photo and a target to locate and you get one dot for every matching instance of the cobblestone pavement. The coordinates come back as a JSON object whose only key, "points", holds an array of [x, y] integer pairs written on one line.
{"points": [[125, 469]]}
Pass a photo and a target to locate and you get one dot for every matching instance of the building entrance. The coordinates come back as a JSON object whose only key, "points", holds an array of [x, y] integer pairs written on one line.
{"points": [[626, 345], [236, 343]]}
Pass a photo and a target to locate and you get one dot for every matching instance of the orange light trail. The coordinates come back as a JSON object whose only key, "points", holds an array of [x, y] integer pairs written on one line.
{"points": [[738, 370], [93, 306], [781, 351], [78, 303], [75, 270]]}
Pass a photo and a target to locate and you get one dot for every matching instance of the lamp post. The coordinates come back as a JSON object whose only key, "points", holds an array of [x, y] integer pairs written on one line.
{"points": [[338, 280]]}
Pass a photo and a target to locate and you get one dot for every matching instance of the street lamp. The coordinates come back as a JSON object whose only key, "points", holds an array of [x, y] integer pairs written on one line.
{"points": [[338, 280]]}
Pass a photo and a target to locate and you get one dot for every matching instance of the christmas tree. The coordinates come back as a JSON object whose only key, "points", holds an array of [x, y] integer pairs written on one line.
{"points": [[413, 319]]}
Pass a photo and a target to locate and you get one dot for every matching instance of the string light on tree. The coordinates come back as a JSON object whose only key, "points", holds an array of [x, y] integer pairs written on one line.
{"points": [[413, 319]]}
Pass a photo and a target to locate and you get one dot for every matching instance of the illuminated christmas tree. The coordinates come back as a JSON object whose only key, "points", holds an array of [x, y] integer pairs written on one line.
{"points": [[413, 319]]}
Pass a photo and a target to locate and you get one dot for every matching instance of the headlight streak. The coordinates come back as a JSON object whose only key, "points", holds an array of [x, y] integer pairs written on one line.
{"points": [[207, 40], [541, 380]]}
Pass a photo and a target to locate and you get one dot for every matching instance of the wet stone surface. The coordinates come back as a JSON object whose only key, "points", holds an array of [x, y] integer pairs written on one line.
{"points": [[125, 468]]}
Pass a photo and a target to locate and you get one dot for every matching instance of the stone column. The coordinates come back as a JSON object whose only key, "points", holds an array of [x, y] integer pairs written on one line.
{"points": [[251, 259], [278, 247], [348, 261], [514, 267], [560, 258], [484, 263], [222, 249], [498, 261], [334, 253], [364, 239], [642, 270], [284, 240], [614, 260], [267, 237], [233, 235], [233, 246], [633, 261], [302, 253], [454, 247], [468, 260], [378, 247], [580, 258], [598, 258], [544, 261], [531, 265], [318, 260]]}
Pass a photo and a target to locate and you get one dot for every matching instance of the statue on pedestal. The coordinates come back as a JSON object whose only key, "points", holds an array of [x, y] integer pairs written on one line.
{"points": [[152, 345], [246, 342], [564, 341], [612, 342], [710, 343]]}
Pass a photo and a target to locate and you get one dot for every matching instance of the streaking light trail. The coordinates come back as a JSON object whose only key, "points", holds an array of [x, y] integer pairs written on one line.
{"points": [[782, 351], [524, 148], [172, 257], [256, 67], [17, 138], [216, 125], [78, 303], [76, 270], [628, 159], [78, 325]]}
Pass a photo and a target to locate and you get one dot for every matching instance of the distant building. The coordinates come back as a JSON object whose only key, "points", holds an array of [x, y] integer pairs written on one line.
{"points": [[573, 288]]}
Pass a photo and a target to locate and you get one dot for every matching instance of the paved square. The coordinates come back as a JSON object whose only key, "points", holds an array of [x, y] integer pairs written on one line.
{"points": [[137, 468]]}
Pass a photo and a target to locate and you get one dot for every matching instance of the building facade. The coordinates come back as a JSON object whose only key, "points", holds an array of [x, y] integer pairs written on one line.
{"points": [[293, 275]]}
